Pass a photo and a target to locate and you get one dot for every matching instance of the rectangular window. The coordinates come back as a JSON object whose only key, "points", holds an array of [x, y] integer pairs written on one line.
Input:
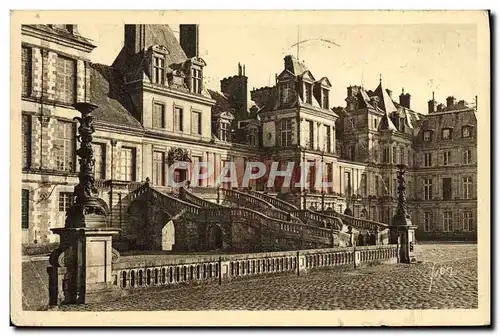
{"points": [[65, 80], [196, 80], [427, 189], [286, 133], [26, 71], [394, 155], [447, 194], [25, 203], [100, 159], [427, 159], [224, 131], [127, 164], [308, 93], [467, 187], [401, 156], [466, 132], [467, 219], [252, 137], [158, 115], [178, 119], [377, 185], [285, 92], [427, 135], [64, 146], [329, 176], [364, 184], [467, 157], [26, 129], [158, 70], [311, 134], [159, 168], [427, 221], [447, 158], [195, 164], [65, 201], [195, 122], [347, 181], [446, 134], [328, 138], [326, 103], [447, 221]]}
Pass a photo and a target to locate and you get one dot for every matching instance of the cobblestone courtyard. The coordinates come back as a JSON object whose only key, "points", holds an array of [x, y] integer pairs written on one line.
{"points": [[445, 279]]}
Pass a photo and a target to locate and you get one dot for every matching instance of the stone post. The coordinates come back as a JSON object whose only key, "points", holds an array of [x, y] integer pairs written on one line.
{"points": [[402, 231], [80, 270]]}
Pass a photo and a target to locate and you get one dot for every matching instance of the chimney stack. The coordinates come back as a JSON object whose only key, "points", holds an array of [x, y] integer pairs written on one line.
{"points": [[450, 102], [189, 39], [431, 105], [404, 99]]}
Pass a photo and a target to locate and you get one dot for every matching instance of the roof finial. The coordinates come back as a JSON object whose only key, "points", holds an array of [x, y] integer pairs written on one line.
{"points": [[432, 95], [403, 90], [380, 78]]}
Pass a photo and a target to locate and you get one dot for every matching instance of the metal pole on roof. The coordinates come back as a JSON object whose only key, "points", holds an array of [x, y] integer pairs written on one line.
{"points": [[298, 42]]}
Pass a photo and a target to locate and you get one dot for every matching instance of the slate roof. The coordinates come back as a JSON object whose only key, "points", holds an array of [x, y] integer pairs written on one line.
{"points": [[106, 91]]}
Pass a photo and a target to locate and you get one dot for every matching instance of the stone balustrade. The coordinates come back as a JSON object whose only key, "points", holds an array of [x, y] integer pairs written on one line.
{"points": [[192, 198], [276, 202], [136, 273], [170, 202]]}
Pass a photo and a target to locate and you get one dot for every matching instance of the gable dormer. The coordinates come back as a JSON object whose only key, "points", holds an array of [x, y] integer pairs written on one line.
{"points": [[307, 81], [194, 74], [285, 83], [322, 92], [157, 54]]}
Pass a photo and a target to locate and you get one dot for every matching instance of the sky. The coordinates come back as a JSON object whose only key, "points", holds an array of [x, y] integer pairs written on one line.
{"points": [[421, 58]]}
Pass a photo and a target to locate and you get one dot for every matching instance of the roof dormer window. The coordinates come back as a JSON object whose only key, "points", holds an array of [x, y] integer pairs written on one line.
{"points": [[158, 66], [466, 132], [196, 80], [308, 93], [446, 133], [427, 136], [325, 95], [286, 91]]}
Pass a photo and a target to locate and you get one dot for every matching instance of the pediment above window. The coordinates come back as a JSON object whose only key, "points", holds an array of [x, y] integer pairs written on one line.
{"points": [[226, 116], [285, 75], [325, 83], [308, 77], [160, 49]]}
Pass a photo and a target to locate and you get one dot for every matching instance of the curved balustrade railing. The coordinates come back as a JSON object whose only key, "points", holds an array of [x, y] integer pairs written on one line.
{"points": [[170, 202], [360, 223], [276, 202], [306, 231], [253, 202], [319, 219], [192, 198]]}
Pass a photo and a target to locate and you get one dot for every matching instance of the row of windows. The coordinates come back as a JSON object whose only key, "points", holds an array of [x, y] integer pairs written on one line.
{"points": [[447, 159], [465, 224], [446, 133], [287, 93], [65, 88], [178, 118], [467, 188]]}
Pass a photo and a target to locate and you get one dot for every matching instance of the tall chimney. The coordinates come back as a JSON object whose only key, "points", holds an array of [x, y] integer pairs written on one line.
{"points": [[189, 39], [450, 102], [404, 99], [431, 104]]}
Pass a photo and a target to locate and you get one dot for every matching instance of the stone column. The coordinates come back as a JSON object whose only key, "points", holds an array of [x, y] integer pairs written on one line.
{"points": [[81, 266]]}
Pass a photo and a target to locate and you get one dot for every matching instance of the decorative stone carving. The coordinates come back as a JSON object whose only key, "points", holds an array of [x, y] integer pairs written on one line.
{"points": [[115, 256]]}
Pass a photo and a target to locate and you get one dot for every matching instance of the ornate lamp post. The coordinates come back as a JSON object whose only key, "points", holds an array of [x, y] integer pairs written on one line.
{"points": [[402, 230], [81, 266]]}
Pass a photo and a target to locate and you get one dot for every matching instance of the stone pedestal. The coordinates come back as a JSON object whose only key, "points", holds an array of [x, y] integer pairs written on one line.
{"points": [[403, 233], [81, 267]]}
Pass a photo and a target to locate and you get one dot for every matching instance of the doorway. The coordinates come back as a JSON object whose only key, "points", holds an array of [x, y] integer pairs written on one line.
{"points": [[215, 237]]}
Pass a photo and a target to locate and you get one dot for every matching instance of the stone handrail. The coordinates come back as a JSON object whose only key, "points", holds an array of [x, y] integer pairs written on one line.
{"points": [[251, 201], [360, 223], [138, 273], [307, 231], [187, 195], [276, 202], [319, 219], [203, 190], [170, 202]]}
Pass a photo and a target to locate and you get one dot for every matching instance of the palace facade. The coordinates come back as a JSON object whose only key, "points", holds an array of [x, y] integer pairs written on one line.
{"points": [[153, 103]]}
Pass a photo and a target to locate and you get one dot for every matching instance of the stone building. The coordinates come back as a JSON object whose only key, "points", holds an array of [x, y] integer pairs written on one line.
{"points": [[154, 109]]}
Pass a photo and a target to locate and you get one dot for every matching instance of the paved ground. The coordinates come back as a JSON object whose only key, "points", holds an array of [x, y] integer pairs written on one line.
{"points": [[422, 286]]}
